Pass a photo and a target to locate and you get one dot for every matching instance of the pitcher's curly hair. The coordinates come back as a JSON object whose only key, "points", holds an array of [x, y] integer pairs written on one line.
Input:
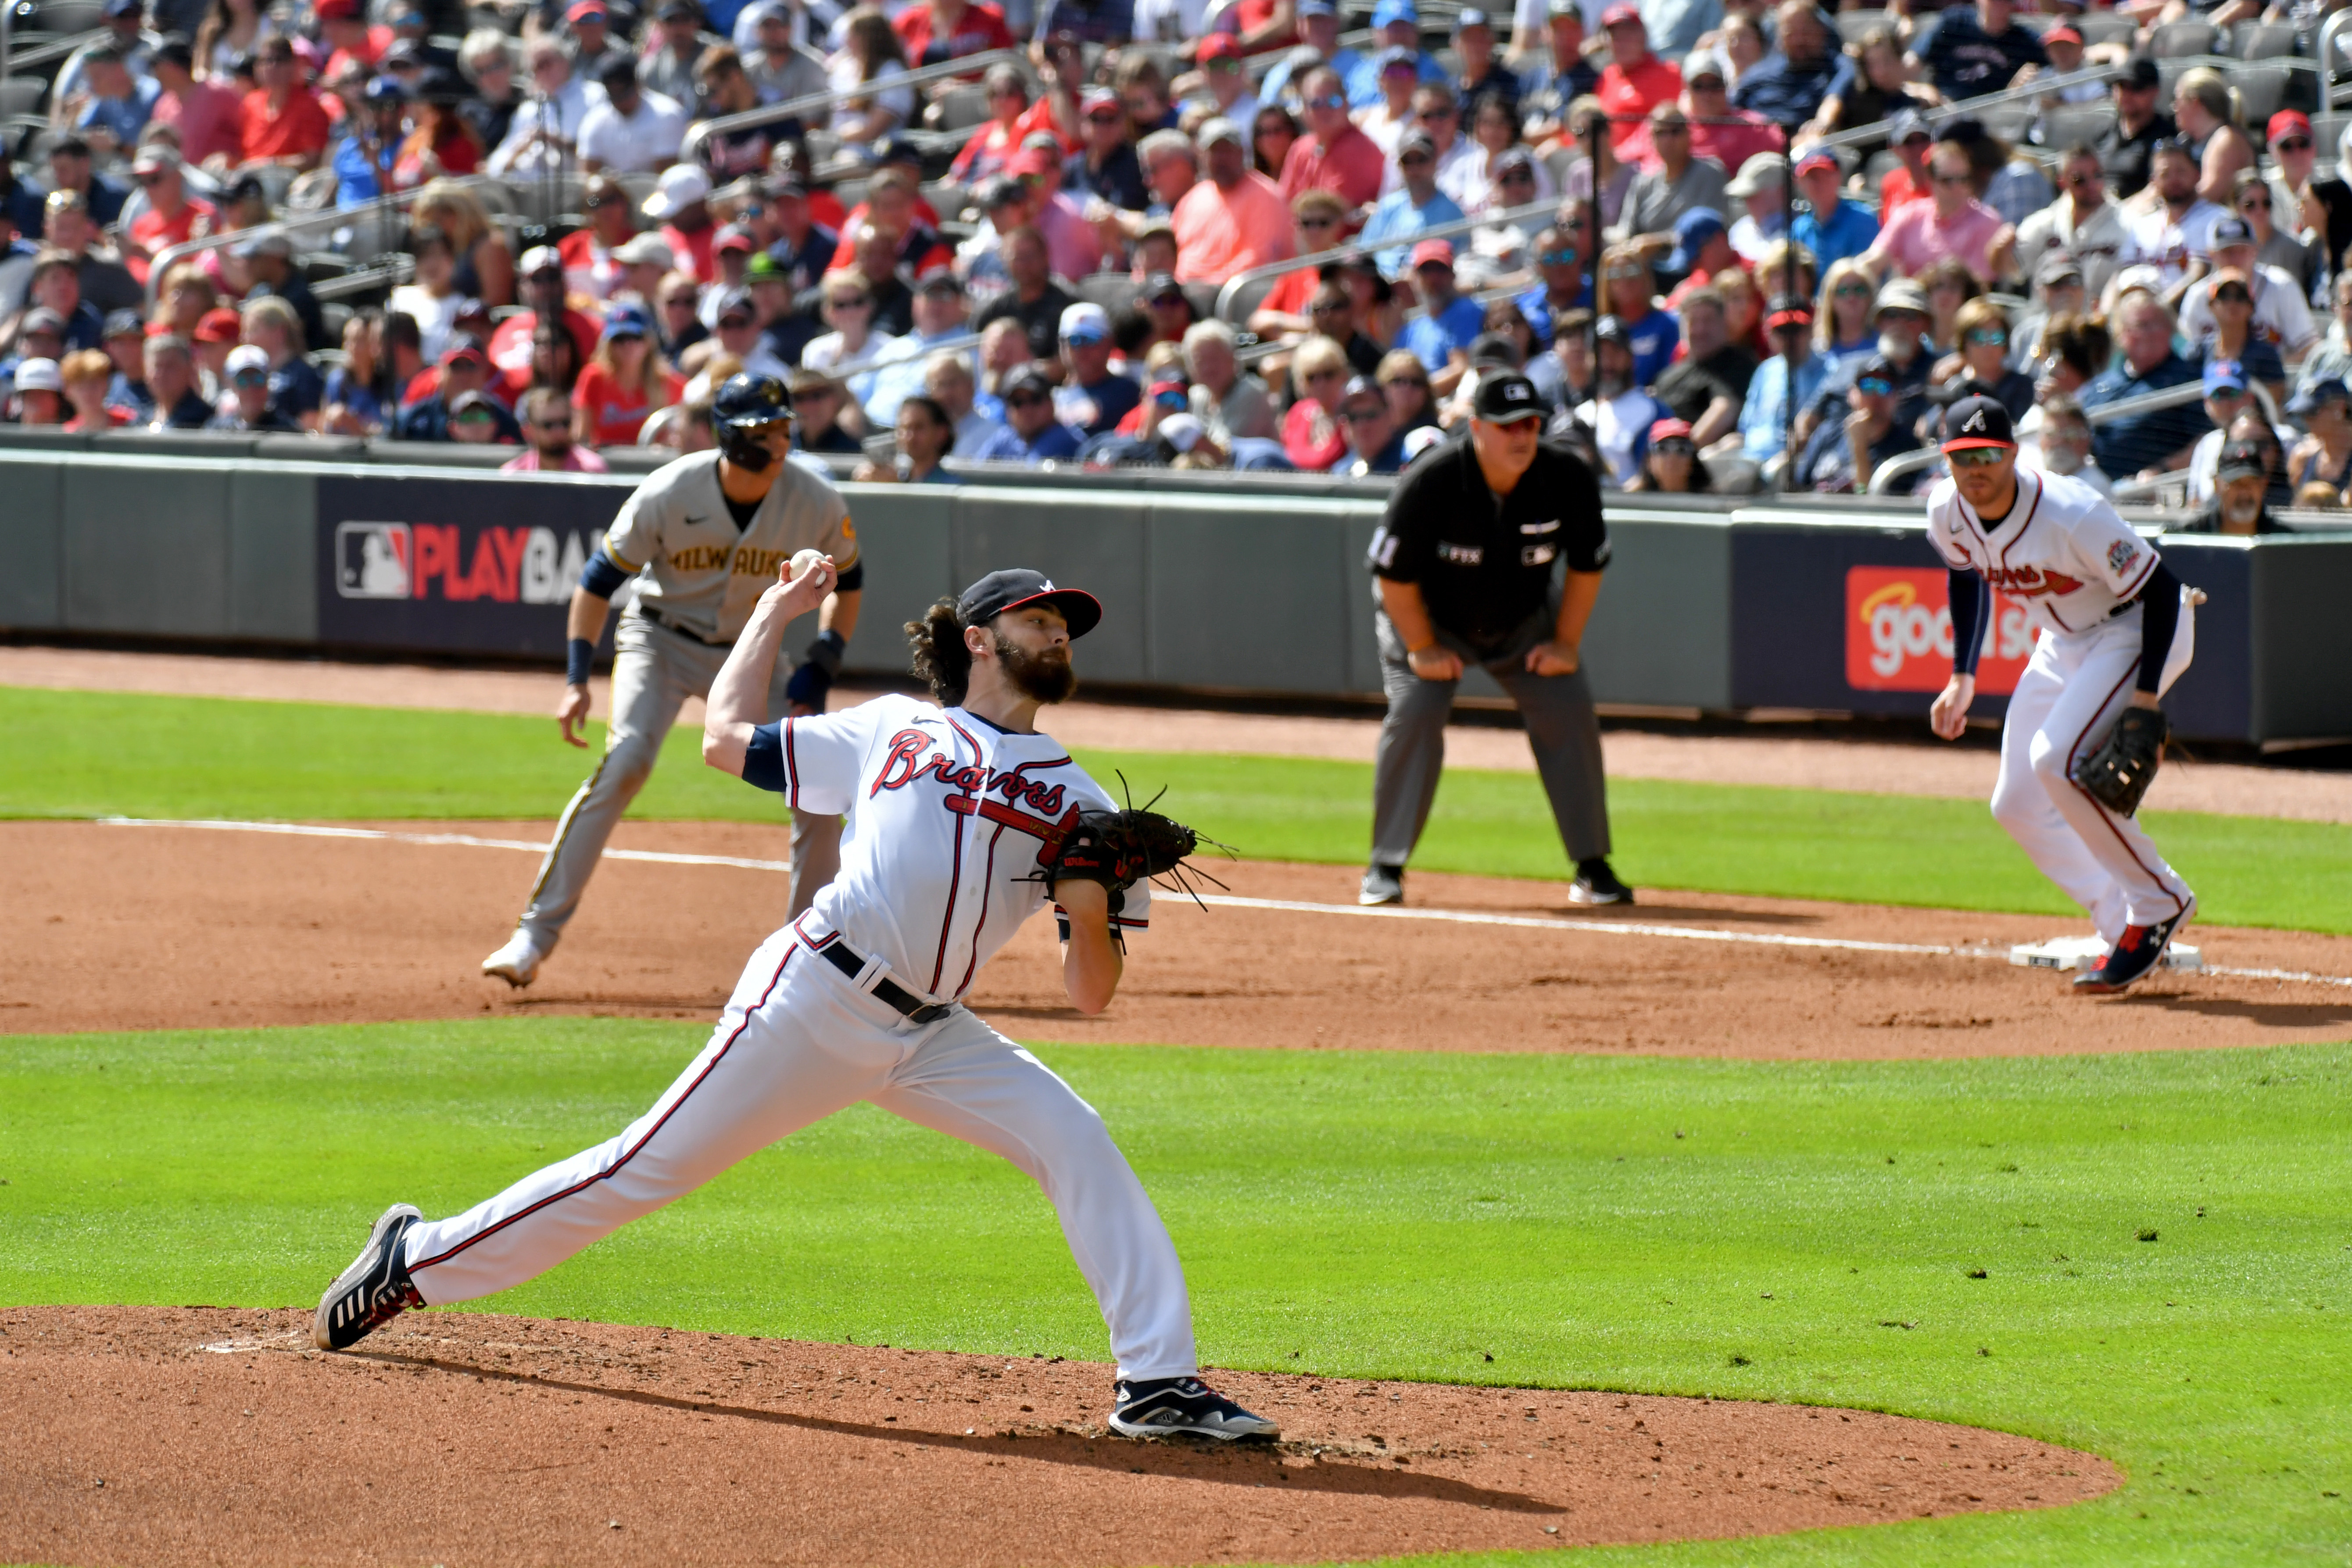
{"points": [[941, 660]]}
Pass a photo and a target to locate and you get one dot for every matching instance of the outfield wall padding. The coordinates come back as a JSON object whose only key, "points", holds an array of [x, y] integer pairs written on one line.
{"points": [[1703, 610]]}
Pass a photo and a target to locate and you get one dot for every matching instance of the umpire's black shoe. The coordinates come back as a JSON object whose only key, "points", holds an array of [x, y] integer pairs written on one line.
{"points": [[1382, 885], [374, 1289], [1175, 1406], [2139, 950], [1597, 884]]}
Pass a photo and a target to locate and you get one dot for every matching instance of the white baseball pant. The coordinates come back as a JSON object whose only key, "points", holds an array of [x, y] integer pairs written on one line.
{"points": [[798, 1042], [2073, 688]]}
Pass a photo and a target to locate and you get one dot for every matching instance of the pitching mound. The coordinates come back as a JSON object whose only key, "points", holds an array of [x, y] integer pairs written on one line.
{"points": [[167, 1436], [140, 928]]}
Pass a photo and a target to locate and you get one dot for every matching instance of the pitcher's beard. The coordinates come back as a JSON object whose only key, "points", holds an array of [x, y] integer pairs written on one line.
{"points": [[1043, 677]]}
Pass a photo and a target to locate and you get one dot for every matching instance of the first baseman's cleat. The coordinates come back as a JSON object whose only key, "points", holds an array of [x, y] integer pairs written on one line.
{"points": [[1597, 884], [373, 1290], [517, 963], [1382, 885], [2136, 953], [1176, 1406]]}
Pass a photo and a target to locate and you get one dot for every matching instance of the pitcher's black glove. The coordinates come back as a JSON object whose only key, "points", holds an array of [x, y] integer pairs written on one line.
{"points": [[2119, 773], [1120, 849]]}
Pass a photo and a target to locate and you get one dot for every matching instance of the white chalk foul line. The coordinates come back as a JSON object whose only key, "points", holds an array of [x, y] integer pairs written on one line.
{"points": [[1222, 900]]}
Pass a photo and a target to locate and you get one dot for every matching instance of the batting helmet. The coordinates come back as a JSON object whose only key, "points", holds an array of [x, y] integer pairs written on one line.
{"points": [[742, 412]]}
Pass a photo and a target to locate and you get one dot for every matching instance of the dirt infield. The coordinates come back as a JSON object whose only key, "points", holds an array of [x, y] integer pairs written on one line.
{"points": [[460, 1437], [1763, 754], [140, 928]]}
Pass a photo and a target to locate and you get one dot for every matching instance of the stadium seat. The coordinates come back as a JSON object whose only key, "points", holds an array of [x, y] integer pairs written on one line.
{"points": [[1246, 299], [2175, 40], [2326, 130], [1114, 292], [70, 17], [1852, 25], [2265, 40], [2010, 121], [2262, 88], [2073, 123], [21, 95], [961, 106], [2106, 28]]}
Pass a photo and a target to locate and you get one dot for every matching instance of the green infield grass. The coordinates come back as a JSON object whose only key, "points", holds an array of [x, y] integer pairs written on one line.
{"points": [[90, 754], [2165, 1253]]}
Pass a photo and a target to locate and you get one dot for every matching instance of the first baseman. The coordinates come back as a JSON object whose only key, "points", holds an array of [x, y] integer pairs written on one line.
{"points": [[963, 822], [701, 537], [2115, 634]]}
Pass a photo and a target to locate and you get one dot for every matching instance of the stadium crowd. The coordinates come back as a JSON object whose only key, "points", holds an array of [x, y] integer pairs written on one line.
{"points": [[1019, 262]]}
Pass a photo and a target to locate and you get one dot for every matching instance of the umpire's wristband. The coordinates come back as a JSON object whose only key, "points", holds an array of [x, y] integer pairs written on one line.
{"points": [[577, 653], [827, 651]]}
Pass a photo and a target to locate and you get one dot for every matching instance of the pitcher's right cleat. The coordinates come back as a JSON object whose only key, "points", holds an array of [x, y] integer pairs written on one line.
{"points": [[1179, 1406], [373, 1290], [517, 963]]}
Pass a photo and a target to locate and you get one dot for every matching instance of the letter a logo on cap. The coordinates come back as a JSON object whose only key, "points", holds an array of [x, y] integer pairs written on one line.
{"points": [[1976, 422]]}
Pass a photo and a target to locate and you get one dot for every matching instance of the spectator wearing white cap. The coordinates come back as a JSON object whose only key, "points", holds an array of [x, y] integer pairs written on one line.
{"points": [[680, 204], [1416, 205], [250, 409], [633, 132], [1231, 220], [540, 276], [1092, 399], [2281, 317], [1761, 190], [40, 389]]}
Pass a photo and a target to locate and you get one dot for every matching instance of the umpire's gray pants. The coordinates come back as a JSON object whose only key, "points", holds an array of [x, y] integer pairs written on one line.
{"points": [[1561, 731], [654, 670]]}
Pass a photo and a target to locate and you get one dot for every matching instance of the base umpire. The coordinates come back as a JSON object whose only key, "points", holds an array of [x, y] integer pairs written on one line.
{"points": [[1464, 565]]}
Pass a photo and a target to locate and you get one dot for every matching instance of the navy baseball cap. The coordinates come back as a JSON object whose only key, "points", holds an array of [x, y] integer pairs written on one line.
{"points": [[1693, 230], [2326, 389], [1017, 585], [1976, 422]]}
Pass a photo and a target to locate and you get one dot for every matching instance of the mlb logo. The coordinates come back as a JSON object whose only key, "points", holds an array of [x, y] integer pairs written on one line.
{"points": [[374, 560], [1516, 391]]}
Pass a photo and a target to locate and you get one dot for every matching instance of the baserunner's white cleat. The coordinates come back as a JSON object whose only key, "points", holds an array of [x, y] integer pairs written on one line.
{"points": [[517, 963]]}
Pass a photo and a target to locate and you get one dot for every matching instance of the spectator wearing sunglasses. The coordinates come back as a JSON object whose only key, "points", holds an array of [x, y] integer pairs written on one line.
{"points": [[1764, 413], [1830, 227], [1318, 222], [1417, 204], [2254, 199], [2228, 394], [2082, 222], [173, 216], [2280, 321], [1031, 433], [1565, 283], [818, 405], [250, 409], [1953, 223], [1979, 362], [548, 447], [1844, 453], [2303, 197], [1333, 155], [1678, 182], [1672, 465], [1106, 165]]}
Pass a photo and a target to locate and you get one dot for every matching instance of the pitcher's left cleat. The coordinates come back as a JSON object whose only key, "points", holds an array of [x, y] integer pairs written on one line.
{"points": [[373, 1290], [2136, 954], [1177, 1407]]}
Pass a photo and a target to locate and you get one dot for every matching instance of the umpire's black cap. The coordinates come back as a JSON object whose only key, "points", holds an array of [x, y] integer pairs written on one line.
{"points": [[1505, 397], [1017, 585]]}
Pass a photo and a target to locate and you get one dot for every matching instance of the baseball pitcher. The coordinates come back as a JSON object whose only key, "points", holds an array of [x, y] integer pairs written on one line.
{"points": [[2084, 725], [702, 537], [963, 822]]}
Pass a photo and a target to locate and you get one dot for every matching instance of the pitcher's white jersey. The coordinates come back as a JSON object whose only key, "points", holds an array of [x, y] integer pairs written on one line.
{"points": [[2062, 550], [699, 571], [950, 819]]}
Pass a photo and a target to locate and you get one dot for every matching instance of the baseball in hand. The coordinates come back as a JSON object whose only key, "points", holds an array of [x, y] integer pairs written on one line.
{"points": [[804, 561]]}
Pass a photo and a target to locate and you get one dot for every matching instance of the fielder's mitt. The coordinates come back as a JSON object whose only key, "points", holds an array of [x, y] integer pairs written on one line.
{"points": [[2119, 773], [1120, 849]]}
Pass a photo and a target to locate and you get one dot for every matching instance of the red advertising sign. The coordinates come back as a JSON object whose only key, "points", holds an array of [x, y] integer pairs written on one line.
{"points": [[1898, 633]]}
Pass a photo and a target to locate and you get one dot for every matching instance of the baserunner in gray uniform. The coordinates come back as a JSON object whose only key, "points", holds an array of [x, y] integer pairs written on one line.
{"points": [[702, 537]]}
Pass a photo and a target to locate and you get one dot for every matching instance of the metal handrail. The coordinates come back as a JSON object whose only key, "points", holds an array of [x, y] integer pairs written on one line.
{"points": [[1358, 247], [2336, 23], [798, 107], [43, 53], [2039, 87], [330, 218], [1883, 477]]}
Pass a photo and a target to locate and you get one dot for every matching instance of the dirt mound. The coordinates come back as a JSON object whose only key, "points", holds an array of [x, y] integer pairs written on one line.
{"points": [[168, 1436], [122, 928]]}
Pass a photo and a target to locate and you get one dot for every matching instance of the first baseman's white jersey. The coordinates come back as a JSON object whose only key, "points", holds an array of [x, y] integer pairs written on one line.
{"points": [[950, 819], [696, 568], [2062, 549]]}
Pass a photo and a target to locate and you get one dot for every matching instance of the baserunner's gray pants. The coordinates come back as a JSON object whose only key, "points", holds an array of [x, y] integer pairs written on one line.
{"points": [[1562, 731], [654, 670]]}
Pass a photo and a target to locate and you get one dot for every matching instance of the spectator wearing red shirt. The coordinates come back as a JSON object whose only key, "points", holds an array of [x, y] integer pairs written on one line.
{"points": [[1908, 139], [541, 277], [1262, 24], [681, 205], [1635, 81], [204, 114], [588, 265], [623, 384], [344, 28], [172, 217], [943, 30], [1013, 117], [281, 122], [1314, 437], [894, 201], [1235, 218], [1333, 155], [1318, 222]]}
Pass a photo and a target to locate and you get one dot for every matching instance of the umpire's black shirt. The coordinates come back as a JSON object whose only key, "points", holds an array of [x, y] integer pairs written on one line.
{"points": [[1483, 566]]}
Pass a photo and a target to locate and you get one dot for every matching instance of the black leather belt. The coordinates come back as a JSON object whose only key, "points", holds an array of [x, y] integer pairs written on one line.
{"points": [[837, 952], [668, 626]]}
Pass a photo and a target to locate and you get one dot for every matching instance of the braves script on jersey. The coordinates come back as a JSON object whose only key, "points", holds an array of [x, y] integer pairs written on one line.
{"points": [[698, 570], [950, 820], [2062, 549]]}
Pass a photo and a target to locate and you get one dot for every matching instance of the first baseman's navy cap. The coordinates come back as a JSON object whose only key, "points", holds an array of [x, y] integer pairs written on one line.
{"points": [[1976, 422], [1017, 585], [1505, 397]]}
